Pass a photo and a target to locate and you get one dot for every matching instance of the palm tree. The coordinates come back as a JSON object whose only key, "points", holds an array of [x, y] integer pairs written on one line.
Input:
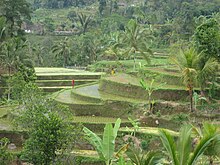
{"points": [[114, 45], [194, 72], [182, 152], [37, 50], [2, 28], [84, 21], [135, 39], [62, 49], [186, 61], [12, 55], [213, 149]]}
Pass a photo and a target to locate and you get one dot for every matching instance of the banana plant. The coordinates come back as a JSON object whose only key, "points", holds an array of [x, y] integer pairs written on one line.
{"points": [[150, 88], [105, 146]]}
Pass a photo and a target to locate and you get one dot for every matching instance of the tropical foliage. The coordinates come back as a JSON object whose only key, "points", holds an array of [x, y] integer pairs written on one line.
{"points": [[135, 39], [62, 50], [105, 146], [182, 152]]}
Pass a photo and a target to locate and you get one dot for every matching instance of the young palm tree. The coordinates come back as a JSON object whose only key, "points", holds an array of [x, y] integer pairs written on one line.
{"points": [[62, 49], [186, 61], [182, 152], [213, 149], [194, 72], [135, 38]]}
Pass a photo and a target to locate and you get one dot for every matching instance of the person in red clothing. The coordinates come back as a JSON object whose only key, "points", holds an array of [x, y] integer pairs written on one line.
{"points": [[73, 82]]}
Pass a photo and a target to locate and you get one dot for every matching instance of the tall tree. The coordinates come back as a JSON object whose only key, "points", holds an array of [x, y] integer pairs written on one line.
{"points": [[15, 11], [84, 21], [186, 61], [135, 39], [13, 54], [37, 53], [3, 28], [206, 73], [102, 6], [62, 49], [207, 39]]}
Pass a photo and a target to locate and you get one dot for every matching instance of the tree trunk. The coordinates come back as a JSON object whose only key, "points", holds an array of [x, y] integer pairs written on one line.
{"points": [[111, 6], [9, 83], [134, 62], [64, 60], [191, 100]]}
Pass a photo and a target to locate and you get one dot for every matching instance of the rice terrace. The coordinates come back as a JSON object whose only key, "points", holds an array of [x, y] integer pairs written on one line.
{"points": [[109, 82]]}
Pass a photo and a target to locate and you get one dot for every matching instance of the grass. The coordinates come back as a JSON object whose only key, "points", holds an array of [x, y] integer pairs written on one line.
{"points": [[89, 80], [44, 71], [3, 111], [162, 71], [127, 79], [86, 153], [148, 130], [65, 97], [6, 125], [96, 119], [128, 64], [92, 91]]}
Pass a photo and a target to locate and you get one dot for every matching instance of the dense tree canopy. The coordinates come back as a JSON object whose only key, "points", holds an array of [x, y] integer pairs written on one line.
{"points": [[207, 39], [15, 12]]}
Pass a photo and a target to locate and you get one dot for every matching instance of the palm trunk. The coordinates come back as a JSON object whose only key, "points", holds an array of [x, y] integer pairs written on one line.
{"points": [[111, 6], [191, 100], [64, 60], [9, 83], [134, 62]]}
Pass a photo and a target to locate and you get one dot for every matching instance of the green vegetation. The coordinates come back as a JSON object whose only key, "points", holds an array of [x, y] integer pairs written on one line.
{"points": [[5, 156], [109, 62], [105, 147], [183, 154]]}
